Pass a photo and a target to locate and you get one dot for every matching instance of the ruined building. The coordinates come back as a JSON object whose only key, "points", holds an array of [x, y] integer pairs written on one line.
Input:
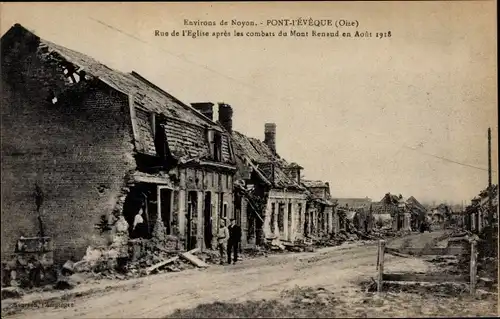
{"points": [[102, 145], [396, 207], [354, 203], [322, 218], [417, 211], [269, 198]]}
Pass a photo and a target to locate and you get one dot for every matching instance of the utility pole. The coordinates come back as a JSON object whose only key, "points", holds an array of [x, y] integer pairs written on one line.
{"points": [[490, 188]]}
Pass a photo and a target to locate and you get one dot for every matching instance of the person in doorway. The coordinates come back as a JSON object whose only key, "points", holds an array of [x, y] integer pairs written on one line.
{"points": [[222, 238], [139, 229], [234, 241]]}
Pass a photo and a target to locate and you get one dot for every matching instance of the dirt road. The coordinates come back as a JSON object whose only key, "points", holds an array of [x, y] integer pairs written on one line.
{"points": [[334, 268]]}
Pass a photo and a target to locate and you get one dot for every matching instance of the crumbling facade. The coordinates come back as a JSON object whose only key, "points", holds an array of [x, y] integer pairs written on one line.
{"points": [[407, 214], [417, 211], [322, 217], [476, 214], [270, 200], [102, 145], [391, 205]]}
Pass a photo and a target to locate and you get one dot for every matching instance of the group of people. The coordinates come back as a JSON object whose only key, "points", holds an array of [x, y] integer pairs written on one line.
{"points": [[228, 240]]}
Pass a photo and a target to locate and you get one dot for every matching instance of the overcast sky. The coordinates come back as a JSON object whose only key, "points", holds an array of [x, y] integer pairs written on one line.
{"points": [[348, 110]]}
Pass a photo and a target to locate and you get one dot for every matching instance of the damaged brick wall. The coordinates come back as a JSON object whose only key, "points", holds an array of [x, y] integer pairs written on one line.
{"points": [[77, 149]]}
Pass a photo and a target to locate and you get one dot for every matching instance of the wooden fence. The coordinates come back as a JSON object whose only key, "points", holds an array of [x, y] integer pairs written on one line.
{"points": [[415, 277]]}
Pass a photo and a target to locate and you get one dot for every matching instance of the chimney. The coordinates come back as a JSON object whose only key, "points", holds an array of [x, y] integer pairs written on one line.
{"points": [[293, 171], [226, 117], [270, 136], [205, 108]]}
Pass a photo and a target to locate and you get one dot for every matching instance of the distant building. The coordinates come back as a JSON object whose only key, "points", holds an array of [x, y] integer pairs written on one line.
{"points": [[353, 203], [322, 217], [395, 206], [417, 212], [476, 216]]}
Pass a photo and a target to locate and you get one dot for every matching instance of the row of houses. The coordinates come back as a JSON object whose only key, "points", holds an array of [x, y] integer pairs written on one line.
{"points": [[99, 144], [475, 216]]}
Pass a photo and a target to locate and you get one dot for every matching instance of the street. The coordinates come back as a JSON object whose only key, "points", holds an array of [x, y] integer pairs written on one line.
{"points": [[337, 269]]}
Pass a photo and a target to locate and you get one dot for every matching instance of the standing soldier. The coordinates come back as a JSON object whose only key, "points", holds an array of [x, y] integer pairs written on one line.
{"points": [[234, 241], [222, 238]]}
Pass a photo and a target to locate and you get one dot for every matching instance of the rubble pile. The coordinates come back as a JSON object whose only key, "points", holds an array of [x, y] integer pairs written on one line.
{"points": [[352, 234], [32, 264], [209, 256], [12, 292], [125, 258], [275, 245], [255, 252], [146, 253], [334, 239], [152, 259]]}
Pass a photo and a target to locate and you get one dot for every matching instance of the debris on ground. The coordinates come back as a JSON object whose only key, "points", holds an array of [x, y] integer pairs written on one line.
{"points": [[295, 247], [31, 265], [209, 256], [68, 268], [161, 264], [68, 282], [12, 293], [274, 244], [190, 257], [254, 252]]}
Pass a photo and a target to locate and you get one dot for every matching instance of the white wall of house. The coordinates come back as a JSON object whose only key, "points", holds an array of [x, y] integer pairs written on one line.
{"points": [[293, 219]]}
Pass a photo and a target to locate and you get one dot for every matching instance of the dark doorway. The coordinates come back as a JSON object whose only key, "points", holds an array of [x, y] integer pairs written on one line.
{"points": [[400, 221], [207, 214], [166, 209], [306, 223], [141, 198], [281, 218], [221, 207], [259, 232], [192, 219]]}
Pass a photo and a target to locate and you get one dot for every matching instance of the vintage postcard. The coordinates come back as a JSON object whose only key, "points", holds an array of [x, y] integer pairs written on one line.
{"points": [[253, 159]]}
